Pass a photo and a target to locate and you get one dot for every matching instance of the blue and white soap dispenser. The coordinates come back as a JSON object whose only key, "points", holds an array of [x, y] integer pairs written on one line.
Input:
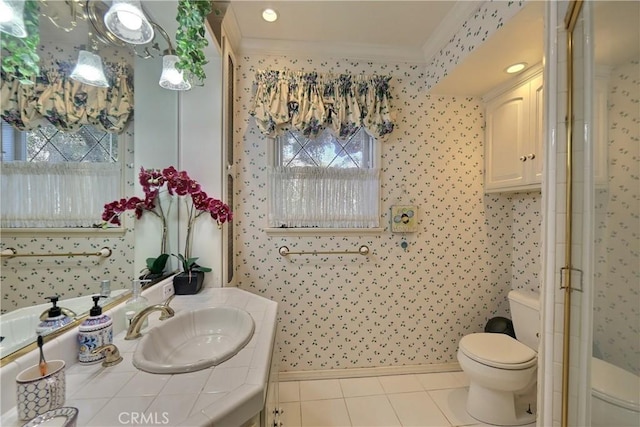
{"points": [[94, 332], [55, 318]]}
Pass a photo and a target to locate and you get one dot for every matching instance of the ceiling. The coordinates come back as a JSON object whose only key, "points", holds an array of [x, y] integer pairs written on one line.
{"points": [[399, 30], [384, 23]]}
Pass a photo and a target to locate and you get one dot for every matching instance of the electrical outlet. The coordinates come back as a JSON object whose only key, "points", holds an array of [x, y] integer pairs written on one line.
{"points": [[168, 290]]}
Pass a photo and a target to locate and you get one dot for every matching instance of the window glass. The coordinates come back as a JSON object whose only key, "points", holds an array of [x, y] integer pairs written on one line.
{"points": [[324, 182]]}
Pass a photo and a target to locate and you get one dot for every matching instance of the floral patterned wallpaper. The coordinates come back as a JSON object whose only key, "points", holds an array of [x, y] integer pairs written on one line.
{"points": [[28, 281], [476, 30], [393, 307], [616, 316]]}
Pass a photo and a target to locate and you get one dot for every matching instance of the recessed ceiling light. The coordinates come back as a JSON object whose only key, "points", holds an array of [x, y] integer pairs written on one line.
{"points": [[516, 68], [269, 15]]}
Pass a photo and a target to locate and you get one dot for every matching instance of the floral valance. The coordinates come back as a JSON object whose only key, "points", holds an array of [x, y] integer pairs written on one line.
{"points": [[66, 103], [311, 102]]}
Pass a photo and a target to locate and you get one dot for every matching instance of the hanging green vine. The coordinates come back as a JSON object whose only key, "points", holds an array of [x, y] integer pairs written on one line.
{"points": [[190, 38], [20, 55]]}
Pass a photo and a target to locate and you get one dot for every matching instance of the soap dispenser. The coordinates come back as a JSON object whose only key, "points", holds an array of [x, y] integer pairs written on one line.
{"points": [[136, 304], [94, 332], [55, 318], [105, 288]]}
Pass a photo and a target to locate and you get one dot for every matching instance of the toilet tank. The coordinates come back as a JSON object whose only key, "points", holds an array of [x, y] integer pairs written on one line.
{"points": [[525, 314]]}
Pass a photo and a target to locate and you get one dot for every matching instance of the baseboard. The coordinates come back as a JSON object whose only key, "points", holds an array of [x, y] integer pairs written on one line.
{"points": [[366, 372]]}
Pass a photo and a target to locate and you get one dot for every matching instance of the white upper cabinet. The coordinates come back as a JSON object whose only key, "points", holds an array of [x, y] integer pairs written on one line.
{"points": [[514, 136]]}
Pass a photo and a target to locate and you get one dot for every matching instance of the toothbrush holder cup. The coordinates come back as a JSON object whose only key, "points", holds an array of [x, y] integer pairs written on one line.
{"points": [[38, 394]]}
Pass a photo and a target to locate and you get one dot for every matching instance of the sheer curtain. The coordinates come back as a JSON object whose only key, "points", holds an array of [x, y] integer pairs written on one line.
{"points": [[323, 197], [56, 194]]}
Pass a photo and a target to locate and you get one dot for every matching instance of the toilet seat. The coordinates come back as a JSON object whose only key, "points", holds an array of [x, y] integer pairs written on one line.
{"points": [[615, 385], [498, 351]]}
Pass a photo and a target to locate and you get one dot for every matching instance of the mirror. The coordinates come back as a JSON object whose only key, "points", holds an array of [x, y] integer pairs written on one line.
{"points": [[151, 141]]}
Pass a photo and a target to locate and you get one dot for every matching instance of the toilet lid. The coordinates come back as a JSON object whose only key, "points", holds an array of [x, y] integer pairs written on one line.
{"points": [[615, 385], [497, 350]]}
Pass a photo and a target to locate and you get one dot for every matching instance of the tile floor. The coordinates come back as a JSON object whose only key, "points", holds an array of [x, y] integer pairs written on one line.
{"points": [[420, 400]]}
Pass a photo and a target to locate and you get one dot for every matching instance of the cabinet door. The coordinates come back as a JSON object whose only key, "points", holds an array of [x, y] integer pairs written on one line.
{"points": [[506, 134], [535, 155]]}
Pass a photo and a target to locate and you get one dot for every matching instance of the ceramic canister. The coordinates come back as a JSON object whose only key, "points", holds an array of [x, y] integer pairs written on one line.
{"points": [[38, 394], [94, 332]]}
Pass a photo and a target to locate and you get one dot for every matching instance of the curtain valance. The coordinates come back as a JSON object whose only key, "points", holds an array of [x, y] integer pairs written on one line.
{"points": [[66, 103], [310, 102]]}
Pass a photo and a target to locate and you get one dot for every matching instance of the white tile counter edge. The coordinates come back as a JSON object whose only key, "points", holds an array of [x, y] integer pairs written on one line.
{"points": [[231, 407]]}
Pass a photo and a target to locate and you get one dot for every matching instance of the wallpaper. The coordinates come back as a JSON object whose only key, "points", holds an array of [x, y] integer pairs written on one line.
{"points": [[476, 30], [28, 281], [617, 230], [394, 306]]}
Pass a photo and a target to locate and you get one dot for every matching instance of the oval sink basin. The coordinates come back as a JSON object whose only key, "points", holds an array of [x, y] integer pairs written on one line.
{"points": [[194, 340]]}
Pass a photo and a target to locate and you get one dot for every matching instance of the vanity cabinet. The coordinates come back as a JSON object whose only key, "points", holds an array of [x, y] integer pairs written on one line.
{"points": [[514, 137]]}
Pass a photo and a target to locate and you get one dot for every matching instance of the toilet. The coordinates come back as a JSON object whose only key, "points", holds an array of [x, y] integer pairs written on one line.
{"points": [[502, 370], [615, 396]]}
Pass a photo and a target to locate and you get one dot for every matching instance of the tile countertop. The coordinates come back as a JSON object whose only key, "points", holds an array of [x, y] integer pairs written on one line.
{"points": [[227, 394]]}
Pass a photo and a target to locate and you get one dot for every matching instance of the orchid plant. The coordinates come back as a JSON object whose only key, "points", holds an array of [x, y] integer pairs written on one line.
{"points": [[177, 184]]}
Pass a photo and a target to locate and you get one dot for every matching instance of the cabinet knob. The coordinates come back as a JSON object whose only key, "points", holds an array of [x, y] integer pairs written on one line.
{"points": [[523, 158], [531, 156]]}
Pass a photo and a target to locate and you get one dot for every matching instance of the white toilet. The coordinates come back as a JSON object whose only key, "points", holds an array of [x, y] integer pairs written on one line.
{"points": [[502, 370], [615, 396]]}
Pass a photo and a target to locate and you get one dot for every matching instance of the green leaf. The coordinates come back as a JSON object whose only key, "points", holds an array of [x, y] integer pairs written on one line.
{"points": [[156, 265]]}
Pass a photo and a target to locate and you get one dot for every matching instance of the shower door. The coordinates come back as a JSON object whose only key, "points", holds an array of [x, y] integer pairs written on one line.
{"points": [[604, 189]]}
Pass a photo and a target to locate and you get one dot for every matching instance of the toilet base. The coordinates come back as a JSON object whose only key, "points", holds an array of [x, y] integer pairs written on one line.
{"points": [[500, 408]]}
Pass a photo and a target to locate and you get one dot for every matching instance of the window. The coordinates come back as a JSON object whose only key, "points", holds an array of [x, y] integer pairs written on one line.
{"points": [[52, 178], [324, 182], [48, 144]]}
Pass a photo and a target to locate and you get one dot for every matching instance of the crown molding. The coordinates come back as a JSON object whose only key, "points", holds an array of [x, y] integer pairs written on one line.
{"points": [[354, 51], [448, 27], [231, 29]]}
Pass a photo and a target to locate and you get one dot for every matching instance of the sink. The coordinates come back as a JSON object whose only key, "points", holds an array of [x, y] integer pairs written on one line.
{"points": [[194, 340]]}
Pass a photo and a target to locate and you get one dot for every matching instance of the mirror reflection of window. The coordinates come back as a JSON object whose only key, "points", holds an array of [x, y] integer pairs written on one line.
{"points": [[57, 179], [63, 140]]}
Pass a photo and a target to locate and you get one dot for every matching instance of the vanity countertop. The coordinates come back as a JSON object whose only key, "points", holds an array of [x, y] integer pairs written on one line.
{"points": [[227, 394]]}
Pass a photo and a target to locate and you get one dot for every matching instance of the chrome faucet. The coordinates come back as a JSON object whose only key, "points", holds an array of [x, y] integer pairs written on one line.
{"points": [[136, 323], [67, 312]]}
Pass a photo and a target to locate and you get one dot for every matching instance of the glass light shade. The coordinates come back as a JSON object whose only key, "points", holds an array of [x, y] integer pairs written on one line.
{"points": [[126, 21], [171, 77], [89, 70], [12, 18]]}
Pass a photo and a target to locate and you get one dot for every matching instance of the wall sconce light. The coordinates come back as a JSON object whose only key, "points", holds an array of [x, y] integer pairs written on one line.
{"points": [[126, 21], [12, 18], [88, 70], [171, 77], [131, 28]]}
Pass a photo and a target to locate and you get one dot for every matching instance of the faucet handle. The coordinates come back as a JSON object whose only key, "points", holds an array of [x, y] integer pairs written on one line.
{"points": [[169, 313], [168, 300], [112, 354]]}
